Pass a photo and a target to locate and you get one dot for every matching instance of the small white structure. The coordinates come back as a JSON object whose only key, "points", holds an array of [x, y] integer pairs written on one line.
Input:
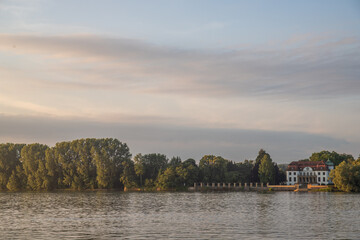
{"points": [[304, 172]]}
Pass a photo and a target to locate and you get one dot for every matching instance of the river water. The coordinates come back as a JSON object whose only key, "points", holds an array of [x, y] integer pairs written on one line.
{"points": [[232, 215]]}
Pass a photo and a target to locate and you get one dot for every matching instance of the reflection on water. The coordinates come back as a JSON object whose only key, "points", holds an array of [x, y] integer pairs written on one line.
{"points": [[233, 215]]}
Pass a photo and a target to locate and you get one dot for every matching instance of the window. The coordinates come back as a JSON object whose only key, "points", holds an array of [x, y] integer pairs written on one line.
{"points": [[319, 179], [290, 179], [323, 173], [318, 173], [323, 179], [289, 173], [294, 179]]}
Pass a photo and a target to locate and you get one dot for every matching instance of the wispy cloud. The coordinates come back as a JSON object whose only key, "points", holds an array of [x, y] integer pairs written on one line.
{"points": [[126, 81], [307, 69]]}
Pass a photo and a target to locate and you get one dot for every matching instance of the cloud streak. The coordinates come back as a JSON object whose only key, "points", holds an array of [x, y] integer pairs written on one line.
{"points": [[313, 68]]}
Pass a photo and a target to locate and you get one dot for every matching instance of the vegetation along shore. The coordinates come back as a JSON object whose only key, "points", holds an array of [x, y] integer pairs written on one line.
{"points": [[90, 164]]}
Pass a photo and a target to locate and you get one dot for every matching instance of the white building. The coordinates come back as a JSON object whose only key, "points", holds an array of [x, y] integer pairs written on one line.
{"points": [[303, 172]]}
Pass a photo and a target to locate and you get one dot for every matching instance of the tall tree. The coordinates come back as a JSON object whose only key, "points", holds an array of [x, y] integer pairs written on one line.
{"points": [[266, 170], [139, 167], [192, 172], [34, 164], [66, 157], [109, 156], [128, 176], [9, 161], [53, 170], [85, 164], [255, 170]]}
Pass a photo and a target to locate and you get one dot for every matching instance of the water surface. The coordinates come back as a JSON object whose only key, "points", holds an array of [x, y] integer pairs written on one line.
{"points": [[233, 215]]}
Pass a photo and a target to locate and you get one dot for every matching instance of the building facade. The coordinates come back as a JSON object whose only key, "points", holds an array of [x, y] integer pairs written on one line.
{"points": [[304, 172]]}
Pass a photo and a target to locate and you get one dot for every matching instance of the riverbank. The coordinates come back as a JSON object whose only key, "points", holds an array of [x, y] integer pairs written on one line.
{"points": [[219, 187]]}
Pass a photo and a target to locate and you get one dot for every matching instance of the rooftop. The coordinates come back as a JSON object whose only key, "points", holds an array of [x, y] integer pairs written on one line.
{"points": [[300, 165]]}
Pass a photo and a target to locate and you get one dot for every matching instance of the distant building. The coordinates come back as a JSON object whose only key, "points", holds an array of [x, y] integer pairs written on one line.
{"points": [[309, 172]]}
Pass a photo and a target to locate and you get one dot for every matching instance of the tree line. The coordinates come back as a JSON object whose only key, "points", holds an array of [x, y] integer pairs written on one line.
{"points": [[79, 164], [107, 164]]}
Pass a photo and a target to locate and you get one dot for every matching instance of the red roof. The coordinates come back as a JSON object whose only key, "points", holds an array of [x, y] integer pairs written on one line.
{"points": [[300, 165]]}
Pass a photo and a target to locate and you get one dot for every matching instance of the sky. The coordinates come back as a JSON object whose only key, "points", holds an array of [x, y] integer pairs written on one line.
{"points": [[183, 78]]}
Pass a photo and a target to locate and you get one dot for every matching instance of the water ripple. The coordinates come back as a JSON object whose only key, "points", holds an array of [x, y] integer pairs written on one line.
{"points": [[118, 215]]}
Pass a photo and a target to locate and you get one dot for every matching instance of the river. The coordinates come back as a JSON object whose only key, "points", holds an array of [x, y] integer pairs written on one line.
{"points": [[227, 215]]}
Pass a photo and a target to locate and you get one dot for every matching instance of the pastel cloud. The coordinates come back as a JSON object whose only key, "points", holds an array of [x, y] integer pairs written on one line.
{"points": [[314, 68], [292, 98]]}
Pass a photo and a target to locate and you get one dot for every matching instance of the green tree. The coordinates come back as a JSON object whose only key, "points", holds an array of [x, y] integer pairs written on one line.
{"points": [[255, 171], [234, 171], [139, 167], [346, 176], [245, 169], [84, 162], [17, 180], [333, 156], [74, 164], [280, 175], [213, 168], [182, 175], [166, 179], [14, 183], [148, 166], [108, 159], [175, 161], [177, 177], [65, 157], [266, 170], [191, 173], [9, 160], [34, 164], [128, 177]]}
